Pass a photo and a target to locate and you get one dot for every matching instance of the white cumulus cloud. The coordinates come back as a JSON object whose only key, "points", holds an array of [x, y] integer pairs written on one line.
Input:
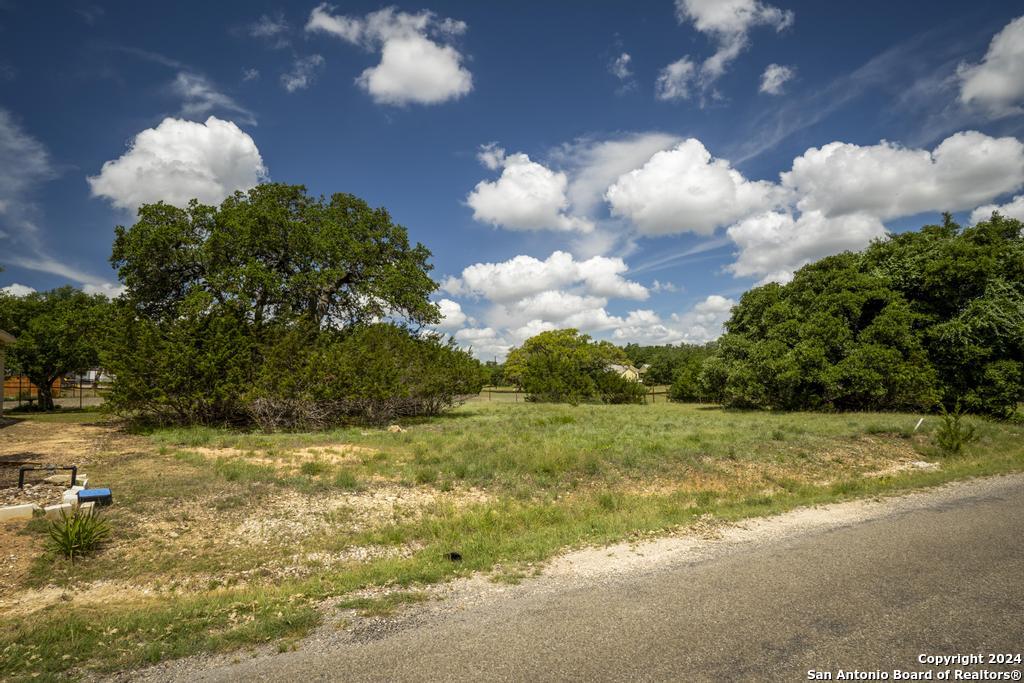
{"points": [[886, 180], [594, 164], [527, 195], [703, 322], [698, 325], [833, 198], [485, 342], [452, 315], [1012, 209], [15, 289], [524, 276], [181, 160], [525, 296], [418, 63], [996, 84], [559, 308], [107, 289], [684, 189], [773, 244], [775, 76]]}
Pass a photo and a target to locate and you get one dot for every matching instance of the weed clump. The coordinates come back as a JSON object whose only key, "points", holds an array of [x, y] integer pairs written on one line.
{"points": [[77, 534], [953, 433]]}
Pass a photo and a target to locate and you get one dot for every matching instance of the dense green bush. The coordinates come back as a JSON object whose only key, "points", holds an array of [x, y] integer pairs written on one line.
{"points": [[375, 373], [686, 384], [966, 285], [917, 319], [613, 388], [194, 369], [566, 366]]}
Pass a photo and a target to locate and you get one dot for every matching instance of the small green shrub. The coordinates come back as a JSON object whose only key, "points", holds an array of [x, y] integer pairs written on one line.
{"points": [[345, 479], [77, 534], [953, 433], [312, 468], [426, 475]]}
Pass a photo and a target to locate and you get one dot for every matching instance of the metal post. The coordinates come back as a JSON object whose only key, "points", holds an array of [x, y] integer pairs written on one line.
{"points": [[81, 388]]}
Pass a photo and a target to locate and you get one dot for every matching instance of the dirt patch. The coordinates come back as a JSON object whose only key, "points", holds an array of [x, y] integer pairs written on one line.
{"points": [[290, 460], [30, 601], [820, 466], [17, 551], [278, 522], [56, 444], [294, 516], [903, 466]]}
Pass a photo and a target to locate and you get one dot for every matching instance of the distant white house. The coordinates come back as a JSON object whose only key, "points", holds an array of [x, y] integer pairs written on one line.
{"points": [[625, 371], [5, 341], [95, 376]]}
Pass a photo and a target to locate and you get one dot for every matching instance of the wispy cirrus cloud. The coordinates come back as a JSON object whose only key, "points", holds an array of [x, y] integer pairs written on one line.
{"points": [[198, 95], [25, 166]]}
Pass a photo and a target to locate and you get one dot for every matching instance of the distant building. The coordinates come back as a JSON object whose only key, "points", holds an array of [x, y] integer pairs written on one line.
{"points": [[625, 371]]}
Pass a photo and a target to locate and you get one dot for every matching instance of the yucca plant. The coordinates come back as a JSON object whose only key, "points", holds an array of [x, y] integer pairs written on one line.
{"points": [[953, 433], [77, 534]]}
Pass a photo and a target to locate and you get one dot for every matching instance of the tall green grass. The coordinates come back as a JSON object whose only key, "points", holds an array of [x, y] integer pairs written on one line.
{"points": [[555, 477]]}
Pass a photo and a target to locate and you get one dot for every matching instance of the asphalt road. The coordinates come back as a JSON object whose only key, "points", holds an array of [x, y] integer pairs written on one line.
{"points": [[939, 573]]}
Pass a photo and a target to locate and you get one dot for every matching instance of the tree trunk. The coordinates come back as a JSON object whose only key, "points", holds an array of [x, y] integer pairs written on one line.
{"points": [[45, 394]]}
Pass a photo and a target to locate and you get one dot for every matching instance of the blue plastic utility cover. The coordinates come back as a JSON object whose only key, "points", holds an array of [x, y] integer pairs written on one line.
{"points": [[98, 496]]}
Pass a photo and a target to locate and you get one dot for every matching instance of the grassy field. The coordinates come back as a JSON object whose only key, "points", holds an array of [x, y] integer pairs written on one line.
{"points": [[225, 539]]}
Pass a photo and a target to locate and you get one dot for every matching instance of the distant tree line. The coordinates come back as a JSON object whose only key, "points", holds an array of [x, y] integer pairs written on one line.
{"points": [[286, 311], [678, 366]]}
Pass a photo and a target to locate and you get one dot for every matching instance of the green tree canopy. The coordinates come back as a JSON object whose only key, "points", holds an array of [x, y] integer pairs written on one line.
{"points": [[966, 285], [564, 365], [263, 309], [58, 332], [273, 255], [914, 319]]}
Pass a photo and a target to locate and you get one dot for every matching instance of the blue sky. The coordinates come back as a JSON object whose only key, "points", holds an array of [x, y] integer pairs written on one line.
{"points": [[628, 171]]}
